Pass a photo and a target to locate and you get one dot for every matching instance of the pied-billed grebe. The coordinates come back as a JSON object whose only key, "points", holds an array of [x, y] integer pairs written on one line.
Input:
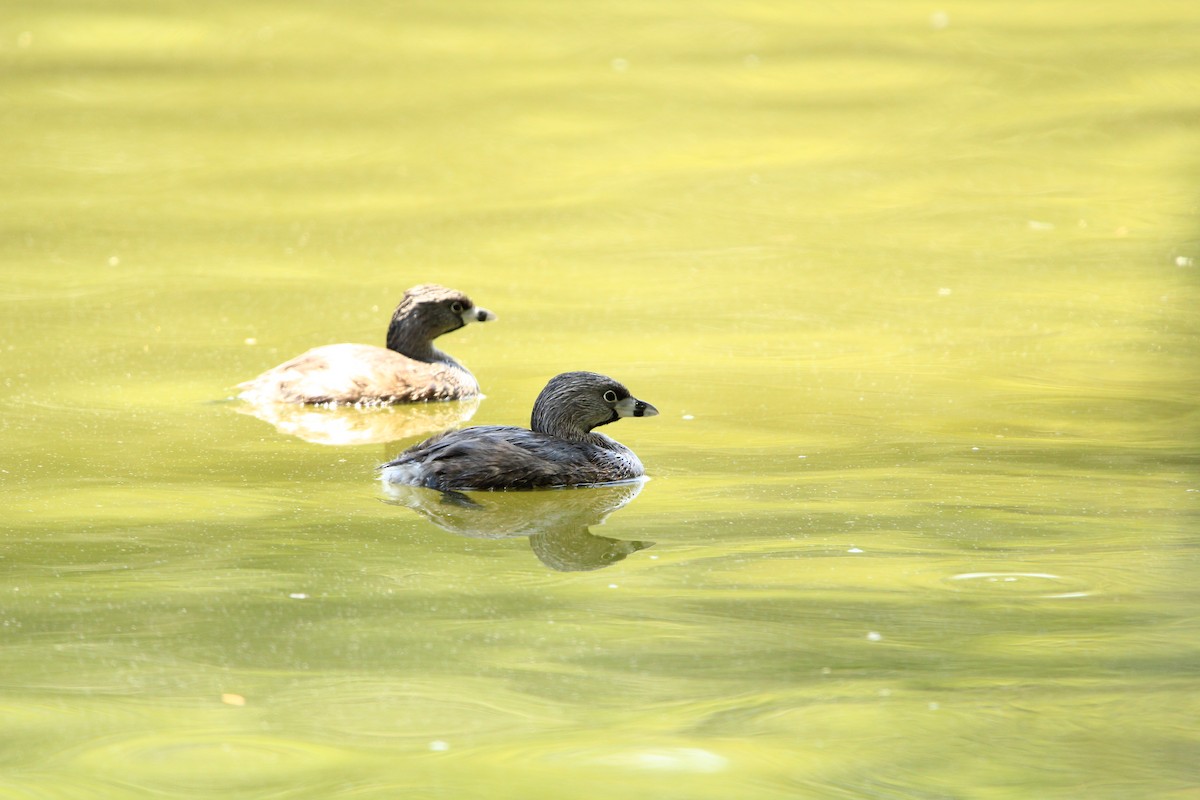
{"points": [[561, 450], [410, 370]]}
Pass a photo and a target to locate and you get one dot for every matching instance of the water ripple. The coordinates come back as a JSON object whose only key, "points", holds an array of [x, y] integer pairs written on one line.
{"points": [[1044, 585], [650, 759], [223, 759]]}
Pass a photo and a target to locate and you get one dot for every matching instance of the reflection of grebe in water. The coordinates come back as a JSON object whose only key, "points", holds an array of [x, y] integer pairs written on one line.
{"points": [[348, 425], [556, 522]]}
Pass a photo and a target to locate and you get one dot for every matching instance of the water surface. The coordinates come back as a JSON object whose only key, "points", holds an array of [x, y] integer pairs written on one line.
{"points": [[914, 288]]}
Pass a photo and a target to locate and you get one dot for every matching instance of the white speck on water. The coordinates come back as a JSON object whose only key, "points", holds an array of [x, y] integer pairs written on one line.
{"points": [[885, 692], [654, 558], [939, 20], [976, 449], [250, 340], [612, 586], [801, 456], [438, 746], [751, 61], [934, 706], [874, 636], [1184, 261], [854, 550], [113, 261], [1037, 225], [688, 416], [620, 65], [945, 291], [298, 596]]}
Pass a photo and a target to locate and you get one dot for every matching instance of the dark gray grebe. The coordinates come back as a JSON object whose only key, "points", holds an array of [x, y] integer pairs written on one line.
{"points": [[560, 450], [410, 370]]}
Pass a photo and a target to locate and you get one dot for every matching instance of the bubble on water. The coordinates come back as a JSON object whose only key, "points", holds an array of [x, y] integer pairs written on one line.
{"points": [[250, 340], [939, 20], [113, 261], [874, 636], [438, 746], [1037, 225], [688, 416], [854, 550], [1184, 261], [298, 596], [620, 65], [945, 291]]}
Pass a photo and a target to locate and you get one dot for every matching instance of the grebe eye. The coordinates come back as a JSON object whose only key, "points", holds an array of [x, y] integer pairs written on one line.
{"points": [[457, 307], [610, 396]]}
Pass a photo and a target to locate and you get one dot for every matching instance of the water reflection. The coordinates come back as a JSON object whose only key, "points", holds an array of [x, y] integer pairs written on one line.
{"points": [[349, 425], [557, 521]]}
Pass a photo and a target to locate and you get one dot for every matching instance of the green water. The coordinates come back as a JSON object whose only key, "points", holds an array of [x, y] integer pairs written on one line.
{"points": [[914, 288]]}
